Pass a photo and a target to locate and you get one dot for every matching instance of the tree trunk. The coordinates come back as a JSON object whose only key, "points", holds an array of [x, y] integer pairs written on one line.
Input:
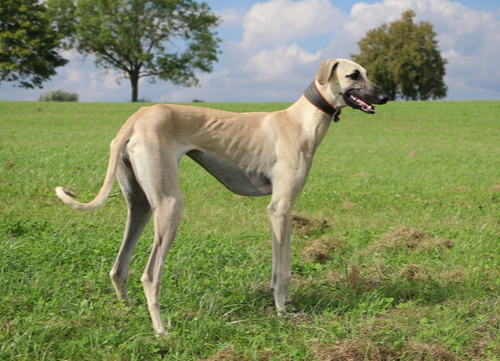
{"points": [[134, 80]]}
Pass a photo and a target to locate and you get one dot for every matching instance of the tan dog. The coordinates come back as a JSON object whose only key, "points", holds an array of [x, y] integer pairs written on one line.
{"points": [[252, 154]]}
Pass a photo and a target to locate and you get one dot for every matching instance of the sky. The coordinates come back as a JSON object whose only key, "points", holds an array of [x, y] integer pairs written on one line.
{"points": [[271, 51]]}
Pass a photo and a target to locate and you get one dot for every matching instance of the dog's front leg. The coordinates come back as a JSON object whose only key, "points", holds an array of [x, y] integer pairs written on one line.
{"points": [[281, 218]]}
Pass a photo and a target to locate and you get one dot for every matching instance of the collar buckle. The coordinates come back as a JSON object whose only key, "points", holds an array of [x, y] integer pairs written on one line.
{"points": [[335, 116]]}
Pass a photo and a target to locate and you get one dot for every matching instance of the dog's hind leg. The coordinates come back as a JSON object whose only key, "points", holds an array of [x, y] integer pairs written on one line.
{"points": [[167, 217], [157, 170], [139, 213]]}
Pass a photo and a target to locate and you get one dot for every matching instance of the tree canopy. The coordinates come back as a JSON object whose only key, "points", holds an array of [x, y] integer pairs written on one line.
{"points": [[157, 39], [28, 43], [403, 59]]}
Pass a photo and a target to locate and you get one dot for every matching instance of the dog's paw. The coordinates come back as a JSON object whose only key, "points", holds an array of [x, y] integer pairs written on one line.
{"points": [[285, 314]]}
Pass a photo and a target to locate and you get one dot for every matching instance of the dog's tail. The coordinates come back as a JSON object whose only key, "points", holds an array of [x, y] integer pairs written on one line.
{"points": [[116, 146]]}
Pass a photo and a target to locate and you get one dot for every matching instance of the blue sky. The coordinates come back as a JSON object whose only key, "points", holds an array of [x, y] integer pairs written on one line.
{"points": [[488, 5], [271, 51]]}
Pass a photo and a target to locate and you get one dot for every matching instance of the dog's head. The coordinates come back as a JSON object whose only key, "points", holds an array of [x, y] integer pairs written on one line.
{"points": [[347, 84]]}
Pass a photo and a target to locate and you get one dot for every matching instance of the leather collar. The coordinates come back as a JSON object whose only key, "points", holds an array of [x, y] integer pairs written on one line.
{"points": [[315, 98]]}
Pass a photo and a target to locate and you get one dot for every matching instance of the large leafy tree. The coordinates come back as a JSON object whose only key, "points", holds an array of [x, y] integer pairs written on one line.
{"points": [[28, 43], [404, 60], [157, 39]]}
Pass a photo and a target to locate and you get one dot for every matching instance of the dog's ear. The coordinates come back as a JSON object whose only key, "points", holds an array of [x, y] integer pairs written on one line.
{"points": [[325, 70]]}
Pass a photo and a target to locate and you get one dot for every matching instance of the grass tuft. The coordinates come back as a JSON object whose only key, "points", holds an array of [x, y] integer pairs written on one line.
{"points": [[306, 226], [320, 250], [353, 349], [411, 239], [414, 273]]}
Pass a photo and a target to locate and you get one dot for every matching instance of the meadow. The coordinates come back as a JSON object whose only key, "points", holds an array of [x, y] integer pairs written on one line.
{"points": [[396, 244]]}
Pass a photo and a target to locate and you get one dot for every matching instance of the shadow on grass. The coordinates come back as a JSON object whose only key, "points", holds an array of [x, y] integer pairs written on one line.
{"points": [[344, 296]]}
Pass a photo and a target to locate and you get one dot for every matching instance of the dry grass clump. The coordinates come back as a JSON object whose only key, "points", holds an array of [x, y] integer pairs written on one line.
{"points": [[361, 279], [495, 188], [486, 334], [420, 351], [367, 350], [320, 250], [8, 165], [226, 354], [348, 350], [405, 236], [365, 278], [410, 239], [458, 274], [304, 226], [353, 276], [414, 273], [349, 205], [442, 243]]}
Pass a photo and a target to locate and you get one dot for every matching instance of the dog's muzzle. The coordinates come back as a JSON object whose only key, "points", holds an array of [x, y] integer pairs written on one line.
{"points": [[356, 100]]}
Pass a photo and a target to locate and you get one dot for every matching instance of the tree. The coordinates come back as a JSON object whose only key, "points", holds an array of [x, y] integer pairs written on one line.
{"points": [[404, 60], [164, 39], [28, 43]]}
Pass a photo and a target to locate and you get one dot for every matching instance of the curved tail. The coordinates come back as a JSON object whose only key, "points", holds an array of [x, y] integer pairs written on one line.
{"points": [[67, 196]]}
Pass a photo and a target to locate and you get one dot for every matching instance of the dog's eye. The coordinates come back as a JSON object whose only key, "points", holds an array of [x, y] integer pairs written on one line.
{"points": [[354, 76]]}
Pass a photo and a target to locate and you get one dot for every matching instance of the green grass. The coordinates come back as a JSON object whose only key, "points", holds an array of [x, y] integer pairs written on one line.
{"points": [[430, 169]]}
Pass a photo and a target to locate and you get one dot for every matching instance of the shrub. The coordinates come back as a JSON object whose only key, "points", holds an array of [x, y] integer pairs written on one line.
{"points": [[58, 96]]}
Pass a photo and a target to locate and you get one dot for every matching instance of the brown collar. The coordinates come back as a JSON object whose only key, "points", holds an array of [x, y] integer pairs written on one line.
{"points": [[316, 98]]}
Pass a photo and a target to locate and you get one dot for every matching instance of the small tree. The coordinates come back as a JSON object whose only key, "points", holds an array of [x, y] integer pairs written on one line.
{"points": [[404, 60], [28, 43], [164, 39]]}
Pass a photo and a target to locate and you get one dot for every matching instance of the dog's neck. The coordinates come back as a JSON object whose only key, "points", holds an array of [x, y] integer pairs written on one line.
{"points": [[314, 96], [314, 123]]}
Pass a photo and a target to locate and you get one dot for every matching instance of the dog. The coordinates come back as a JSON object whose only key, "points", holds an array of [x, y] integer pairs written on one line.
{"points": [[252, 154]]}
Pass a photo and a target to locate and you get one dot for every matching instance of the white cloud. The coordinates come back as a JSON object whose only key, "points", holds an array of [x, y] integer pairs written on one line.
{"points": [[276, 63], [283, 20], [364, 17], [269, 57], [231, 17]]}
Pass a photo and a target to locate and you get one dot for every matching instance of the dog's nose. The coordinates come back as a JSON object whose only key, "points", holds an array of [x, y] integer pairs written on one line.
{"points": [[383, 98]]}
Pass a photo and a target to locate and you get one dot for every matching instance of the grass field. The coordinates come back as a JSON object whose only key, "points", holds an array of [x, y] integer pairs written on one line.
{"points": [[396, 244]]}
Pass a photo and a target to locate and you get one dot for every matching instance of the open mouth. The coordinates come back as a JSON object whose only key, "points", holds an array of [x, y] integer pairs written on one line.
{"points": [[358, 103]]}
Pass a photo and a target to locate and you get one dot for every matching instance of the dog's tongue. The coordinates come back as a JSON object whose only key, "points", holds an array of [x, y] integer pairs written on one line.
{"points": [[367, 108]]}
